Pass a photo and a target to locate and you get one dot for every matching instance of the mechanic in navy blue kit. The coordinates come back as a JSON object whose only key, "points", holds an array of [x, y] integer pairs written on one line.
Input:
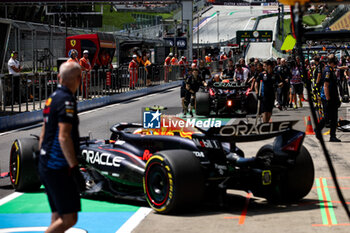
{"points": [[330, 99], [193, 83], [270, 82], [59, 143]]}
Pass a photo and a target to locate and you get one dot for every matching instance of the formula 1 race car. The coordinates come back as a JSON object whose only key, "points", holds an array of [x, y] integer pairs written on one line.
{"points": [[226, 98], [174, 173]]}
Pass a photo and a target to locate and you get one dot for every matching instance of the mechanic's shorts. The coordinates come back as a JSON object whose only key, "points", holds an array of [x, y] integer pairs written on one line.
{"points": [[267, 105], [183, 92], [61, 190], [297, 89]]}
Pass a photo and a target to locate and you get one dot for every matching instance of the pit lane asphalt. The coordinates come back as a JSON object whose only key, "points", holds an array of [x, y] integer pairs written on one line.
{"points": [[241, 214]]}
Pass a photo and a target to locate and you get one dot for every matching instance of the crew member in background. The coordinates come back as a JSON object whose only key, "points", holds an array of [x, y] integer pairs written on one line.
{"points": [[208, 59], [242, 62], [167, 68], [203, 71], [251, 75], [147, 64], [214, 79], [282, 92], [86, 68], [183, 92], [183, 66], [193, 83], [174, 61], [229, 72], [73, 56], [59, 147], [270, 81], [133, 71], [223, 57], [330, 99], [241, 74]]}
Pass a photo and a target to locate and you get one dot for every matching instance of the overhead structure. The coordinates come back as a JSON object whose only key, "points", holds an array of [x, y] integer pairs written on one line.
{"points": [[303, 2], [55, 2]]}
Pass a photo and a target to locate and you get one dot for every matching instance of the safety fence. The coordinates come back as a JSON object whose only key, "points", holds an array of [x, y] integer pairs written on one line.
{"points": [[28, 92]]}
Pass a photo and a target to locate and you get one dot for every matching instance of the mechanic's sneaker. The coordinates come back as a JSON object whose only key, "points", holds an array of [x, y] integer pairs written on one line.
{"points": [[300, 104], [334, 139], [290, 105], [191, 113], [279, 107], [295, 107]]}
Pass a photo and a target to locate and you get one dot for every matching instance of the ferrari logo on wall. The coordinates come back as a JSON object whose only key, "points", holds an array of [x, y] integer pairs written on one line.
{"points": [[73, 43]]}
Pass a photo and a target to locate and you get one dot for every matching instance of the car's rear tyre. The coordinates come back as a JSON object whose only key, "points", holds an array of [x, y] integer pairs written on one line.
{"points": [[252, 103], [202, 103], [173, 181], [24, 174], [298, 180]]}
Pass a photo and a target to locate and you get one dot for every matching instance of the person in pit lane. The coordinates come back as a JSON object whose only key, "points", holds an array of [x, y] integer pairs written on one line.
{"points": [[59, 143], [229, 72], [241, 74], [193, 83], [330, 99], [270, 81], [214, 79], [204, 72]]}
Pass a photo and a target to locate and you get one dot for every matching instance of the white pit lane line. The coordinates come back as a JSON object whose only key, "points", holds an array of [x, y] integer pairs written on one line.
{"points": [[134, 220], [10, 197]]}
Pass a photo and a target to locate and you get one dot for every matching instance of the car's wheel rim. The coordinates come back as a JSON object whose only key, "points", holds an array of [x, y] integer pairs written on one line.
{"points": [[157, 184], [14, 162]]}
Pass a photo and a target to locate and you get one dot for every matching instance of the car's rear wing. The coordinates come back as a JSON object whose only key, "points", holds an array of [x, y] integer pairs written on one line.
{"points": [[247, 132], [229, 85]]}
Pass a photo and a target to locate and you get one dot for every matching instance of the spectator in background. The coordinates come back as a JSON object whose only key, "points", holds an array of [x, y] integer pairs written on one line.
{"points": [[133, 71], [86, 68], [14, 66]]}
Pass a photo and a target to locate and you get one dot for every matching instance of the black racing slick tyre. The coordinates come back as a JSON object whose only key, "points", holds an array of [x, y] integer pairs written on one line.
{"points": [[252, 103], [173, 181], [298, 179], [202, 104], [24, 174]]}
